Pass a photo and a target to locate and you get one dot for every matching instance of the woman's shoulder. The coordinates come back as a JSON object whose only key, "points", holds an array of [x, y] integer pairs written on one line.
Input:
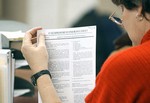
{"points": [[126, 61], [120, 58], [129, 56]]}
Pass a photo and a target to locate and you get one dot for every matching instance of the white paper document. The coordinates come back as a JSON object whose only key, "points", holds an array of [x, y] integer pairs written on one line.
{"points": [[72, 55]]}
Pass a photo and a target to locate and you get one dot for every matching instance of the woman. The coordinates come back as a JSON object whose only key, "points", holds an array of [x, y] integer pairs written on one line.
{"points": [[124, 77]]}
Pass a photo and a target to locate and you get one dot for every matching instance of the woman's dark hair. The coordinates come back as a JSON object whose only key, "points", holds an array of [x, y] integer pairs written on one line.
{"points": [[132, 4]]}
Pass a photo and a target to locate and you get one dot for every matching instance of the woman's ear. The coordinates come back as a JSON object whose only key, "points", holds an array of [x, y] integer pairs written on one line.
{"points": [[139, 15]]}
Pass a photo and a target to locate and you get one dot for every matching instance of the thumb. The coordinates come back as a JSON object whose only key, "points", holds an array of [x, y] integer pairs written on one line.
{"points": [[41, 39]]}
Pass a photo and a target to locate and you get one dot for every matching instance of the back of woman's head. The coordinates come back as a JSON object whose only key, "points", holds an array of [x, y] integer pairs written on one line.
{"points": [[133, 4]]}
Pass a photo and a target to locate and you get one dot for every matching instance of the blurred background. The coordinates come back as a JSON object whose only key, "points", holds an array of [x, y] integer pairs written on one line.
{"points": [[25, 14], [51, 13]]}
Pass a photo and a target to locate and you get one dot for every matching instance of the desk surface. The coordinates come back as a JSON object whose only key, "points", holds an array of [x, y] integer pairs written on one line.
{"points": [[25, 74]]}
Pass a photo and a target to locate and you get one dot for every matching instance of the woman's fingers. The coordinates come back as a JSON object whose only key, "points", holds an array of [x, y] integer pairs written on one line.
{"points": [[34, 40], [33, 31], [30, 36], [41, 40]]}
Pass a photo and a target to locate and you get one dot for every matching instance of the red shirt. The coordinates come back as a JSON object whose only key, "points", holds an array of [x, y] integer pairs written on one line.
{"points": [[124, 77]]}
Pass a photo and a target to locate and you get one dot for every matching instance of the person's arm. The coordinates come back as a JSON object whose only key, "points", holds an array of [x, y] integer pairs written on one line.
{"points": [[37, 58]]}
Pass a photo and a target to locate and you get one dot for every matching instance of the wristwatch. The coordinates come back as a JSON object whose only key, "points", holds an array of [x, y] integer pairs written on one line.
{"points": [[37, 75]]}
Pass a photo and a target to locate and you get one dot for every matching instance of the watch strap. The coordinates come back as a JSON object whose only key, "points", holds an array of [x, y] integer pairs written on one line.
{"points": [[38, 74]]}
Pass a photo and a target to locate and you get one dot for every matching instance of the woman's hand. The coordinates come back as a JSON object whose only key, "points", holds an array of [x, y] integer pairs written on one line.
{"points": [[36, 56]]}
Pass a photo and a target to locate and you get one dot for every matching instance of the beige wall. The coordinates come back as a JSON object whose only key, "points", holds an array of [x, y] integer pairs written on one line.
{"points": [[106, 6], [46, 13], [15, 10], [0, 8], [51, 13]]}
